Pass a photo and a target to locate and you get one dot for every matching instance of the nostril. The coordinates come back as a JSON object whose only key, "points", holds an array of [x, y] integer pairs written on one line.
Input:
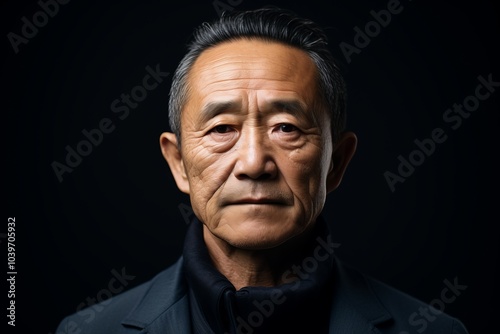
{"points": [[265, 176], [260, 177]]}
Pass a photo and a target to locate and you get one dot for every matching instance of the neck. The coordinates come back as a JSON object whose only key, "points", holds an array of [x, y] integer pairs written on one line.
{"points": [[249, 267]]}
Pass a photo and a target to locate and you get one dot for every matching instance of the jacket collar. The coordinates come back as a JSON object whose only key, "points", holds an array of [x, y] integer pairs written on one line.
{"points": [[165, 307]]}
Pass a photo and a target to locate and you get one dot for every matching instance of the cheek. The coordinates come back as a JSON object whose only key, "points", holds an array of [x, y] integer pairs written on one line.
{"points": [[207, 172], [306, 163], [306, 171]]}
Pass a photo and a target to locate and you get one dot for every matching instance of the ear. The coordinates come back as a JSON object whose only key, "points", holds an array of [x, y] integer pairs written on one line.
{"points": [[171, 153], [343, 151]]}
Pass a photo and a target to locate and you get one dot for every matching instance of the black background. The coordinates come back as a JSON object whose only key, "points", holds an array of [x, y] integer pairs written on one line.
{"points": [[120, 207]]}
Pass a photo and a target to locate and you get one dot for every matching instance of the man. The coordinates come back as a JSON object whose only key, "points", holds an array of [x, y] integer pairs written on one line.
{"points": [[257, 112]]}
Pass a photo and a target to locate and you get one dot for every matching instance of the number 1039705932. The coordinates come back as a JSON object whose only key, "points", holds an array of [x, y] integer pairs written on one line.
{"points": [[11, 247]]}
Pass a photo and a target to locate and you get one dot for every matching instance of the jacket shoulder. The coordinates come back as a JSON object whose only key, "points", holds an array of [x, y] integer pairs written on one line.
{"points": [[107, 316], [411, 315]]}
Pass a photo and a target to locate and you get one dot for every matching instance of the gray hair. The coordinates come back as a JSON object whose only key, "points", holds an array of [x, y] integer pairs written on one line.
{"points": [[271, 24]]}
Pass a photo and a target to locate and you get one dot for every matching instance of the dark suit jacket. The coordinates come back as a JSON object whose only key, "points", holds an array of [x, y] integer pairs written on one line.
{"points": [[360, 305]]}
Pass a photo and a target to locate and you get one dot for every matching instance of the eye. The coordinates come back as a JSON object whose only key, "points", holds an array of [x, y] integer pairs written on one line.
{"points": [[285, 127], [223, 128]]}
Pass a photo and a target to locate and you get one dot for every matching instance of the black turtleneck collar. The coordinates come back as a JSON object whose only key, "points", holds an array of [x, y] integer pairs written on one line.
{"points": [[301, 305]]}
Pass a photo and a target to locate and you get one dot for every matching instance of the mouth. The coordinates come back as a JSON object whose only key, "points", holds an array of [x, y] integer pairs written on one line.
{"points": [[260, 201]]}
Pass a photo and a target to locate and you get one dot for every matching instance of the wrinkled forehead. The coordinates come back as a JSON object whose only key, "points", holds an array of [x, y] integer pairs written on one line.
{"points": [[253, 64], [237, 70]]}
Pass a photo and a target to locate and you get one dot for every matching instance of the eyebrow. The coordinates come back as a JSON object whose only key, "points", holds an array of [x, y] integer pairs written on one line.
{"points": [[212, 109], [292, 106]]}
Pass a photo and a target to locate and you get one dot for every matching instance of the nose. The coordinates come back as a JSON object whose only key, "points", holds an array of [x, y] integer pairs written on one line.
{"points": [[255, 157]]}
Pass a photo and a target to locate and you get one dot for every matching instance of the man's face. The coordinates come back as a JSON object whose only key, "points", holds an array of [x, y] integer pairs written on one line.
{"points": [[256, 150]]}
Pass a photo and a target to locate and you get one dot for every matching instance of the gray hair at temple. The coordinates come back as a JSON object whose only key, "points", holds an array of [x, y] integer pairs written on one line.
{"points": [[271, 24]]}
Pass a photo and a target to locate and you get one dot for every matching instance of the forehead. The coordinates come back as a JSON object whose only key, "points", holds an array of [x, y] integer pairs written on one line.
{"points": [[244, 65]]}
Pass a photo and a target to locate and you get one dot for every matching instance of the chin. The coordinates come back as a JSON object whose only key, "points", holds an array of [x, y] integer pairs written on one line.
{"points": [[255, 235]]}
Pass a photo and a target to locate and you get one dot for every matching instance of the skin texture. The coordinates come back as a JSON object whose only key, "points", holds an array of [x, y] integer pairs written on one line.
{"points": [[256, 155]]}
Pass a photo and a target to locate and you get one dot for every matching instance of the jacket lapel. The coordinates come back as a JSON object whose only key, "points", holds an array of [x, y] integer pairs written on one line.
{"points": [[355, 309], [174, 320], [164, 309]]}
